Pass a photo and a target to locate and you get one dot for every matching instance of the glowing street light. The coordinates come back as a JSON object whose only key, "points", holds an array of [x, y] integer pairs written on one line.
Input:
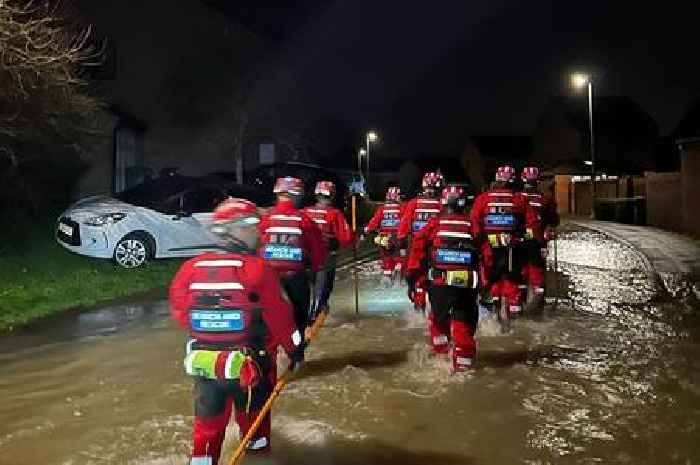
{"points": [[579, 81]]}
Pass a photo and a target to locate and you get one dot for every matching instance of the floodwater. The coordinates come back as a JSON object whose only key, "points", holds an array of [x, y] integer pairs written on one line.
{"points": [[611, 375]]}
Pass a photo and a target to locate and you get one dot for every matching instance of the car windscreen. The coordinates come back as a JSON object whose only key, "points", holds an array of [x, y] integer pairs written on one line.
{"points": [[155, 194]]}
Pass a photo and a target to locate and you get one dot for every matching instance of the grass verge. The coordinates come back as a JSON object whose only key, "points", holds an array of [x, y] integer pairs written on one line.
{"points": [[38, 277]]}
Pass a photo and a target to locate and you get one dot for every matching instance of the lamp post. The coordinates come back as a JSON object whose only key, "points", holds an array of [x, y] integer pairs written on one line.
{"points": [[580, 80], [371, 137], [360, 153]]}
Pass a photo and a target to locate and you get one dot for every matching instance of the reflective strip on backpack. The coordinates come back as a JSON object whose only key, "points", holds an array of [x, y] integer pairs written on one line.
{"points": [[313, 210], [465, 223], [535, 204], [320, 221], [219, 263], [285, 217], [216, 286], [427, 210], [230, 359], [500, 204], [283, 230], [460, 235], [392, 211], [501, 194]]}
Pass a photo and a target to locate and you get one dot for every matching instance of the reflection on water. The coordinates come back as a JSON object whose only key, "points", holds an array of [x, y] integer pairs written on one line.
{"points": [[610, 376]]}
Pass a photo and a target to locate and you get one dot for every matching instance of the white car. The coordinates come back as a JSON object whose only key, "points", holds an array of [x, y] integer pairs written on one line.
{"points": [[159, 219]]}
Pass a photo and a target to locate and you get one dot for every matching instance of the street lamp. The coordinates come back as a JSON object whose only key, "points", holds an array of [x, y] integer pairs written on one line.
{"points": [[371, 137], [360, 154], [580, 80]]}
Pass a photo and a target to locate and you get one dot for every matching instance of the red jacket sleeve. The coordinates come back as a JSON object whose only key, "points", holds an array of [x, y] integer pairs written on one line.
{"points": [[376, 219], [314, 242], [278, 313], [419, 246], [406, 219], [476, 215], [532, 220], [341, 229], [179, 290]]}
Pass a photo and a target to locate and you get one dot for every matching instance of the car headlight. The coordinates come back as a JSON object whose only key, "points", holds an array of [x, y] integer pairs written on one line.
{"points": [[105, 220]]}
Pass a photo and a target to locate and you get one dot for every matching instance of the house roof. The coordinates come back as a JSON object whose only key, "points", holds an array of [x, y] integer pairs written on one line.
{"points": [[613, 116], [689, 125], [127, 118], [449, 166]]}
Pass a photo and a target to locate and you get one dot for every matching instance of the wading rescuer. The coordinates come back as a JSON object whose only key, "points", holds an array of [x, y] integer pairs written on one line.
{"points": [[292, 244], [237, 314], [336, 233], [502, 218], [415, 216], [446, 252], [534, 252], [386, 220]]}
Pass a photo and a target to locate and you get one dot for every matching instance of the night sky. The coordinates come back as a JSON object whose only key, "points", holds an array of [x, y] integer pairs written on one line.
{"points": [[428, 74]]}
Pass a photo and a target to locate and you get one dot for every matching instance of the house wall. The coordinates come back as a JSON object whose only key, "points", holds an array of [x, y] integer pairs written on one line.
{"points": [[97, 179], [184, 80], [690, 188], [562, 185], [664, 197]]}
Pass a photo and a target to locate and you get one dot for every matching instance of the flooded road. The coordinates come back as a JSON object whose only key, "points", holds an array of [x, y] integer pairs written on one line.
{"points": [[612, 375]]}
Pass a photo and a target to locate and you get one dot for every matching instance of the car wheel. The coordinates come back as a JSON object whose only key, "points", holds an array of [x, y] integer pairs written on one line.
{"points": [[133, 251]]}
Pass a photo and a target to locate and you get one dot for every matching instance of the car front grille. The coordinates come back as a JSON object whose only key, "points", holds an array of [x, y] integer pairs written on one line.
{"points": [[62, 234]]}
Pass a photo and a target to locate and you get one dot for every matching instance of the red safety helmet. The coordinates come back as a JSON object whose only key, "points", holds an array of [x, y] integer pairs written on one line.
{"points": [[393, 194], [326, 188], [454, 195], [530, 174], [505, 173], [233, 212], [289, 185], [433, 180]]}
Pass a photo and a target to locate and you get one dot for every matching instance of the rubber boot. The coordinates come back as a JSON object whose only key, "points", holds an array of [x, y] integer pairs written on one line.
{"points": [[439, 335], [261, 439], [208, 437], [464, 351]]}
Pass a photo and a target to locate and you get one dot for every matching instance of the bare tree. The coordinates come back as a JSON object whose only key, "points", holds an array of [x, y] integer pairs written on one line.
{"points": [[46, 107]]}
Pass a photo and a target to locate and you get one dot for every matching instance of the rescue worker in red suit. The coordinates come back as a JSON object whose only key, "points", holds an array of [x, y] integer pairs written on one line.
{"points": [[232, 304], [336, 234], [502, 218], [445, 250], [292, 244], [533, 252], [386, 220], [416, 214]]}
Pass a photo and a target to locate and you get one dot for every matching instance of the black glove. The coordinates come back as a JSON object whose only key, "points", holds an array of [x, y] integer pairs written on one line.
{"points": [[333, 244], [411, 281]]}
